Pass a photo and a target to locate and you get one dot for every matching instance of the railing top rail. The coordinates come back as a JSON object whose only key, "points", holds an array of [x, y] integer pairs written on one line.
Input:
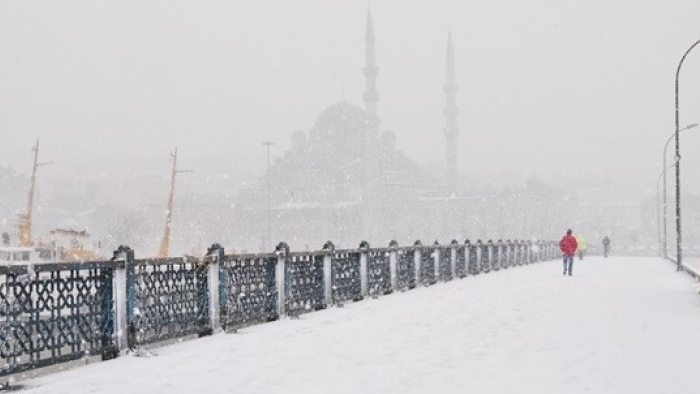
{"points": [[308, 253], [248, 256], [167, 260], [380, 250], [58, 266], [341, 251]]}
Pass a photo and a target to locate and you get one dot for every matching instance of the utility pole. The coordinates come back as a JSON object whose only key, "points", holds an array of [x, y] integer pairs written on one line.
{"points": [[268, 144], [165, 242]]}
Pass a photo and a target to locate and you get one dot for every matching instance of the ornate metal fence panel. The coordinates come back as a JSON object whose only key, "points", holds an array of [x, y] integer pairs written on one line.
{"points": [[492, 255], [346, 276], [304, 283], [518, 245], [543, 250], [484, 257], [170, 299], [379, 271], [510, 254], [522, 256], [461, 263], [427, 266], [445, 259], [54, 313], [529, 252], [473, 256], [248, 290], [405, 269], [501, 258], [553, 249]]}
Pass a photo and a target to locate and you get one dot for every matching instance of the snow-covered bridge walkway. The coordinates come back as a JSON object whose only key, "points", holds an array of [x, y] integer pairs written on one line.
{"points": [[621, 325]]}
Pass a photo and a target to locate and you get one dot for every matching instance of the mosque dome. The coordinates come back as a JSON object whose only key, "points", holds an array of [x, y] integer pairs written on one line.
{"points": [[340, 129], [342, 118]]}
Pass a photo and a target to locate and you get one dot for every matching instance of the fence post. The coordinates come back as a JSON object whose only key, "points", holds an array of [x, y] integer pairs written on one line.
{"points": [[215, 257], [282, 251], [416, 262], [393, 259], [123, 257], [329, 249], [499, 254], [453, 257], [436, 261], [364, 279], [470, 258], [480, 256]]}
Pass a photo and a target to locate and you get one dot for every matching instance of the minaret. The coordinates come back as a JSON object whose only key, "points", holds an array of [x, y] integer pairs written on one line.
{"points": [[451, 130], [371, 95]]}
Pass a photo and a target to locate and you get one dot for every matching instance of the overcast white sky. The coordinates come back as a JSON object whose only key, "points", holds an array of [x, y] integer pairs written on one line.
{"points": [[547, 88]]}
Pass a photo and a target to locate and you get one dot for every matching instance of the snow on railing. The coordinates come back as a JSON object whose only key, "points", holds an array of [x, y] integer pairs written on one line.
{"points": [[52, 313]]}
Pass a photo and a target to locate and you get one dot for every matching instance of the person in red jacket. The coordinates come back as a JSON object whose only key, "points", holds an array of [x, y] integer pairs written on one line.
{"points": [[568, 247]]}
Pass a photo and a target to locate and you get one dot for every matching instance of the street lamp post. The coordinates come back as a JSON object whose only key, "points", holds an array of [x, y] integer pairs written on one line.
{"points": [[268, 144], [665, 210], [679, 236], [661, 239]]}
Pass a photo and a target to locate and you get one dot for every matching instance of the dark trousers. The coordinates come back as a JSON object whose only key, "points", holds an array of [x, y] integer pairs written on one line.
{"points": [[570, 259]]}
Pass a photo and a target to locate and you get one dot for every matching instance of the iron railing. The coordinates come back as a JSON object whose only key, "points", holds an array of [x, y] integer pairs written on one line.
{"points": [[53, 313]]}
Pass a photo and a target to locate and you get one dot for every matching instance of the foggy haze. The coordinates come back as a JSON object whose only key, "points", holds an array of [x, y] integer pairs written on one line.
{"points": [[576, 95]]}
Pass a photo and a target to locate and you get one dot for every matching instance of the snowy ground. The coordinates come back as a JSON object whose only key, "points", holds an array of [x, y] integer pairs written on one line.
{"points": [[693, 263], [621, 325]]}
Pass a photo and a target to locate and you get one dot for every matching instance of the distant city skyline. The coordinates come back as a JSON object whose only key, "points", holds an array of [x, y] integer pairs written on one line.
{"points": [[578, 95]]}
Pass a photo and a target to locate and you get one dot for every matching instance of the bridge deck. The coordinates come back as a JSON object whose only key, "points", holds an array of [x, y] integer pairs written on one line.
{"points": [[621, 325]]}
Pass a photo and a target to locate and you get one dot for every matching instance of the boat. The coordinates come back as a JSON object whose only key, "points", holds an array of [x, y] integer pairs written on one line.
{"points": [[11, 255], [68, 245]]}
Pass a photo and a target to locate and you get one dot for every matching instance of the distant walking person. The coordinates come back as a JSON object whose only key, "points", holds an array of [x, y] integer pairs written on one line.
{"points": [[606, 246], [568, 247], [581, 246]]}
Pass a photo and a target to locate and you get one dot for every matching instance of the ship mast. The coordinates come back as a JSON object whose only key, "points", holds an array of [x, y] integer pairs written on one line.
{"points": [[25, 220], [165, 242]]}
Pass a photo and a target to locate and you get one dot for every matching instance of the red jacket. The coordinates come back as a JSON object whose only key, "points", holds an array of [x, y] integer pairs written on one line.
{"points": [[568, 245]]}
